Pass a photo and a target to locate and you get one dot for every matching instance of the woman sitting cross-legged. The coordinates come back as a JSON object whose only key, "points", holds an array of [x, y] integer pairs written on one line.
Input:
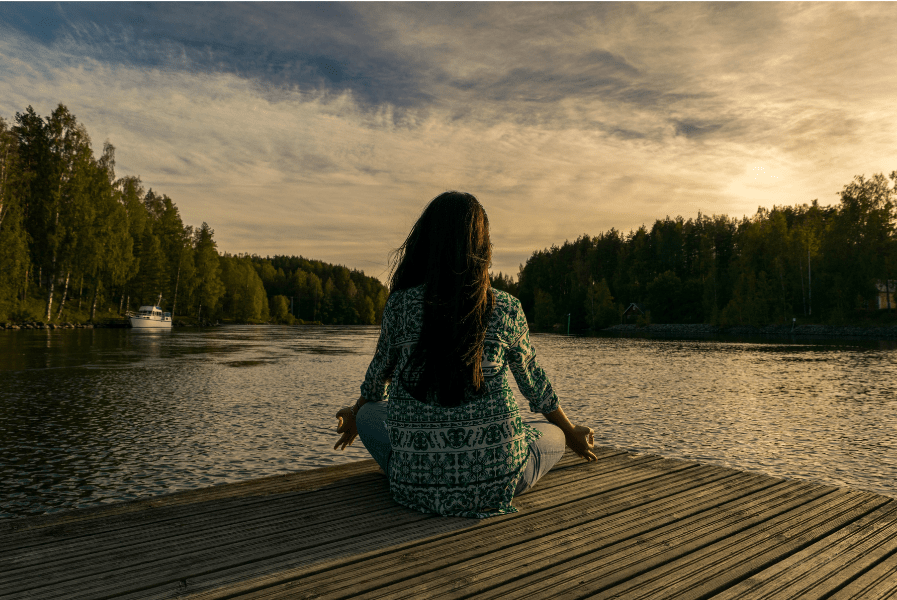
{"points": [[436, 411]]}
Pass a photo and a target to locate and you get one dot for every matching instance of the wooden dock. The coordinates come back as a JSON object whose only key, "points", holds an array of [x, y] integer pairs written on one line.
{"points": [[626, 526]]}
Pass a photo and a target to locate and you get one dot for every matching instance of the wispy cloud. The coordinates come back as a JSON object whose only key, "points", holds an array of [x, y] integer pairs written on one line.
{"points": [[322, 129]]}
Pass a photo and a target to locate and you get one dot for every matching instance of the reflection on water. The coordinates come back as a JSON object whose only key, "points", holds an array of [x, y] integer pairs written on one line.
{"points": [[94, 416], [91, 416], [820, 411]]}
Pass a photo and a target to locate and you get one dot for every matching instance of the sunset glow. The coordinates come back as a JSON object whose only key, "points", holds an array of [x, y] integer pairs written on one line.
{"points": [[323, 129]]}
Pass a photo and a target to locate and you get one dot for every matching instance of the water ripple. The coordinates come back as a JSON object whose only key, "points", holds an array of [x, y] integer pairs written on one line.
{"points": [[95, 416]]}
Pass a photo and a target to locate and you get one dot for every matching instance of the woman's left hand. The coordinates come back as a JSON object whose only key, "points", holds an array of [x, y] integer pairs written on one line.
{"points": [[582, 441], [346, 427]]}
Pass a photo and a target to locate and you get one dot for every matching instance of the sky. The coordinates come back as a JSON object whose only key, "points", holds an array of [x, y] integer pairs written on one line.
{"points": [[323, 129]]}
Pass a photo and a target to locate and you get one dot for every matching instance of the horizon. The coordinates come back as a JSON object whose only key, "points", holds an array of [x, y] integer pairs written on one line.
{"points": [[323, 130]]}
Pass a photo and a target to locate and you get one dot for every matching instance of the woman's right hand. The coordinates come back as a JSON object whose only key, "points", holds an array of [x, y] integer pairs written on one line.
{"points": [[347, 427], [581, 440]]}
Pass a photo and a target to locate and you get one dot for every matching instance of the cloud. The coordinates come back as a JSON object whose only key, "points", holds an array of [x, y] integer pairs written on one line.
{"points": [[327, 47], [323, 129], [695, 129]]}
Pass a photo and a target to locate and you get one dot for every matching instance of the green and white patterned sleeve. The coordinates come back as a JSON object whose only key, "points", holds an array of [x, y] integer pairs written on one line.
{"points": [[530, 377], [376, 380]]}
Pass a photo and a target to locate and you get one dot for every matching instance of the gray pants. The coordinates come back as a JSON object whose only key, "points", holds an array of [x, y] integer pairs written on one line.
{"points": [[544, 453]]}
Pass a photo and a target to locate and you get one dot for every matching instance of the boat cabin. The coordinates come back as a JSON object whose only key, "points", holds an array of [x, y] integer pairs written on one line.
{"points": [[153, 313]]}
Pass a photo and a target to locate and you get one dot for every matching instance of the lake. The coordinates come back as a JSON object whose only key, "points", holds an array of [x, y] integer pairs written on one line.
{"points": [[97, 416]]}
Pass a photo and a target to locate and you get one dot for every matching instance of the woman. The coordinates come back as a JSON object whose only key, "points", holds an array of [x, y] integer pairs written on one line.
{"points": [[450, 438]]}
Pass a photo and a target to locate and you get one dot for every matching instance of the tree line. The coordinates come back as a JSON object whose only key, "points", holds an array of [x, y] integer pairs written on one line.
{"points": [[313, 290], [76, 240], [820, 263]]}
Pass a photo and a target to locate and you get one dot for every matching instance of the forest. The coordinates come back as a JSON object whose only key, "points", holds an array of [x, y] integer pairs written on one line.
{"points": [[818, 264], [78, 244]]}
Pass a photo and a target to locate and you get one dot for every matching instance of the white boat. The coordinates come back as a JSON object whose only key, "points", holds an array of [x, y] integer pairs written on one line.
{"points": [[150, 317]]}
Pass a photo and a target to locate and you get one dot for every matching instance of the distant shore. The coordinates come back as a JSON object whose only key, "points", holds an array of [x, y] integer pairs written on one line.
{"points": [[819, 331], [122, 323], [672, 330], [42, 325]]}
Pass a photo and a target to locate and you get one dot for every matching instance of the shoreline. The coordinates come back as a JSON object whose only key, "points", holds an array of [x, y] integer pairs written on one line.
{"points": [[123, 324], [42, 325], [815, 331], [626, 329]]}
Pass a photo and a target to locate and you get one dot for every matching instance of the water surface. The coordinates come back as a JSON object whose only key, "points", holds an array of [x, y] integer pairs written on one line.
{"points": [[97, 416]]}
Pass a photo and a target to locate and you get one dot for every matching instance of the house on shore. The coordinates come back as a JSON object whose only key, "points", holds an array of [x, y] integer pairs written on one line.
{"points": [[633, 312]]}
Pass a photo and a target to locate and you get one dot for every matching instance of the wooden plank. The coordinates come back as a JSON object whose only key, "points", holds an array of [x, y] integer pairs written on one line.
{"points": [[551, 571], [112, 578], [242, 497], [18, 533], [500, 576], [173, 538], [233, 581], [571, 460], [633, 526], [169, 521], [611, 473], [45, 566], [402, 561], [232, 548], [236, 545], [608, 470], [639, 503], [829, 564], [145, 537], [643, 468], [717, 566], [878, 583]]}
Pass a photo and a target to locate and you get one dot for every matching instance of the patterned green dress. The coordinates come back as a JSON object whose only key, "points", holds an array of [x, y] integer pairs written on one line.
{"points": [[462, 461]]}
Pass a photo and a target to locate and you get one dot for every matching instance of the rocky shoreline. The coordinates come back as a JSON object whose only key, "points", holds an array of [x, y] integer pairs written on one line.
{"points": [[41, 325], [110, 324], [768, 330]]}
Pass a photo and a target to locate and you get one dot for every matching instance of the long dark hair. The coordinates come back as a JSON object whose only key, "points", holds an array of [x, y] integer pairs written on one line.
{"points": [[449, 252]]}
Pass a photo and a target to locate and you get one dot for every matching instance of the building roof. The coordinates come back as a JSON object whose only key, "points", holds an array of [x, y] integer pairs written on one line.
{"points": [[635, 308]]}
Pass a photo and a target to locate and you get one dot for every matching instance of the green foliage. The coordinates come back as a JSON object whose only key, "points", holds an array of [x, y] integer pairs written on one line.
{"points": [[280, 309], [244, 297], [367, 312], [77, 242], [152, 278], [503, 282], [13, 237], [821, 263], [65, 218], [544, 310], [319, 291], [209, 287], [751, 301], [599, 306], [664, 296]]}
